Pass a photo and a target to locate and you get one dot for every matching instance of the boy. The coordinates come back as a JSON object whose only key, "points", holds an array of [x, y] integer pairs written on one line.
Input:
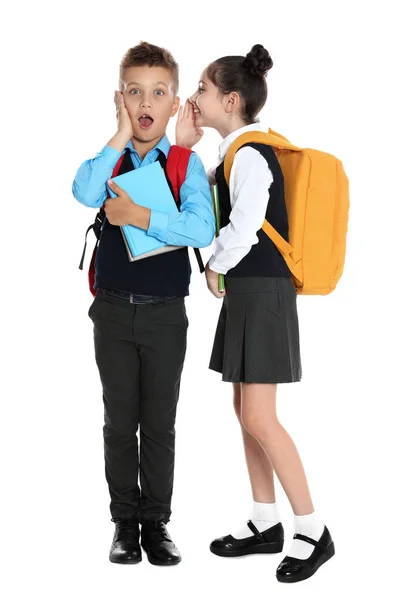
{"points": [[139, 315]]}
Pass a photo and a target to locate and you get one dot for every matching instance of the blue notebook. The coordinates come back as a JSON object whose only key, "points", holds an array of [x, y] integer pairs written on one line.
{"points": [[146, 186]]}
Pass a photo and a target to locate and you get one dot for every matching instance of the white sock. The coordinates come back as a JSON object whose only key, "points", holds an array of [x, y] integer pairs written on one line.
{"points": [[264, 516], [310, 526]]}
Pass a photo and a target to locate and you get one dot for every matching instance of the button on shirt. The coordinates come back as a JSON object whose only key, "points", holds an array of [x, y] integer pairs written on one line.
{"points": [[250, 180], [193, 226]]}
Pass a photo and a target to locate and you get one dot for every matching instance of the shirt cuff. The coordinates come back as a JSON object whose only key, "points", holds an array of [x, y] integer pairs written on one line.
{"points": [[214, 266], [158, 224], [110, 156]]}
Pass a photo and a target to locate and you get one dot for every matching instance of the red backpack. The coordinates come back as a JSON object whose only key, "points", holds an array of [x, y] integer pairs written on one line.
{"points": [[176, 168]]}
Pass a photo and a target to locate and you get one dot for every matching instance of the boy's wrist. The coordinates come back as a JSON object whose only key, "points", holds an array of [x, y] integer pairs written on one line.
{"points": [[140, 217], [183, 145], [119, 141]]}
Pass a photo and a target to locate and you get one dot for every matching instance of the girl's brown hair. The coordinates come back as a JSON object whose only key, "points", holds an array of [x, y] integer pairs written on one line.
{"points": [[245, 75]]}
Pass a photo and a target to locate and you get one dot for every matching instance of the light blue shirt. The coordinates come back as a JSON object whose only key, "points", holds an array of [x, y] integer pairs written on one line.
{"points": [[193, 226]]}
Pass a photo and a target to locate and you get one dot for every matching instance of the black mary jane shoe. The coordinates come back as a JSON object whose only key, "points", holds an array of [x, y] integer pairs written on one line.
{"points": [[269, 541], [157, 542], [291, 569], [125, 548]]}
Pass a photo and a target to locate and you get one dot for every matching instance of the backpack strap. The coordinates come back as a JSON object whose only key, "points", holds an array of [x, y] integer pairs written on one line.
{"points": [[176, 169], [100, 217], [259, 137], [276, 141], [177, 164], [97, 226]]}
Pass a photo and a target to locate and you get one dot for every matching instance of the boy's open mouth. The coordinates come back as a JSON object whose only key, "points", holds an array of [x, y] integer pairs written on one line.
{"points": [[146, 121]]}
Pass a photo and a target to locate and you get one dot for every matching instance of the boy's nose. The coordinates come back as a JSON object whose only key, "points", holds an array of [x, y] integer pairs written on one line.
{"points": [[146, 102]]}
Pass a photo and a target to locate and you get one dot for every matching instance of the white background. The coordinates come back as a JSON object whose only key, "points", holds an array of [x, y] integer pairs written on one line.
{"points": [[334, 86]]}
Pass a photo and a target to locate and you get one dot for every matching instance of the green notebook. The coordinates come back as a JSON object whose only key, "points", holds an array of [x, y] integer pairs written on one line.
{"points": [[216, 205]]}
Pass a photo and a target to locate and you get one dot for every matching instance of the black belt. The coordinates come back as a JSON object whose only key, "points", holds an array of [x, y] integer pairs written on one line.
{"points": [[136, 298]]}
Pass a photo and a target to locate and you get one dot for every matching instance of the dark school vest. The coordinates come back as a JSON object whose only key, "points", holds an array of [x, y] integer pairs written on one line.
{"points": [[263, 259], [161, 275]]}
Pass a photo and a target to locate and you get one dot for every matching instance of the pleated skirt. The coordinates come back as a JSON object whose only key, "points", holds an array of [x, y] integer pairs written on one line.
{"points": [[257, 335]]}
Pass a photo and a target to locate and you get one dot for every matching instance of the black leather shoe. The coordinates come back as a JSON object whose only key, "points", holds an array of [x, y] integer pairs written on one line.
{"points": [[292, 569], [156, 541], [125, 547], [266, 542]]}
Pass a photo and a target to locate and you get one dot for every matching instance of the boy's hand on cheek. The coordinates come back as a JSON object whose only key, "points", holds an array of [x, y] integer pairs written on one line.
{"points": [[123, 211], [187, 132], [124, 123]]}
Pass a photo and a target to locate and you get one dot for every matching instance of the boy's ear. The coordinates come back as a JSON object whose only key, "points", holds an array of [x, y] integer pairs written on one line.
{"points": [[175, 106]]}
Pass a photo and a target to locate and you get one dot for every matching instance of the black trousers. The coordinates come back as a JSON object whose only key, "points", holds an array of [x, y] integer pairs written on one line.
{"points": [[140, 345]]}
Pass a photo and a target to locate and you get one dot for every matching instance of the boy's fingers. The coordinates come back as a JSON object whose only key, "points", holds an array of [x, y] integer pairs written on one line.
{"points": [[118, 190]]}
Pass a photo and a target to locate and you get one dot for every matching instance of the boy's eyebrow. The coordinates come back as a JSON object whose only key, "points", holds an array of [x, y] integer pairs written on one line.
{"points": [[137, 83], [203, 82]]}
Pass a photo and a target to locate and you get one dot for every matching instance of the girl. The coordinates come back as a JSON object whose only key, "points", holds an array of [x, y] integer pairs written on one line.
{"points": [[257, 339]]}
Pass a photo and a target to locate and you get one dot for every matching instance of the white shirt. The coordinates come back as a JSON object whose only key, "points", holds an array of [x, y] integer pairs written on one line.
{"points": [[249, 184]]}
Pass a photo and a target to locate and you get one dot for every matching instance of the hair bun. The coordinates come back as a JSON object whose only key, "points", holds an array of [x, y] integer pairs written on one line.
{"points": [[258, 61]]}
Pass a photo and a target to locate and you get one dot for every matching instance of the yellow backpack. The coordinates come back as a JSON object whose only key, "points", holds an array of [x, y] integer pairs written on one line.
{"points": [[317, 200]]}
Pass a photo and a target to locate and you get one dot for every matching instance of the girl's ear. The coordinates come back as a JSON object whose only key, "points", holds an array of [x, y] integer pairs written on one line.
{"points": [[175, 106], [232, 102]]}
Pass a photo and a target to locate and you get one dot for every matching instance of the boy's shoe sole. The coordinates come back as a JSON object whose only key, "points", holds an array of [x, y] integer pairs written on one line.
{"points": [[159, 563], [132, 561]]}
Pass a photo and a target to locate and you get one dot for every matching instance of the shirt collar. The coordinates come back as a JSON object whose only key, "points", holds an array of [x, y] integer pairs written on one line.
{"points": [[163, 145], [227, 141]]}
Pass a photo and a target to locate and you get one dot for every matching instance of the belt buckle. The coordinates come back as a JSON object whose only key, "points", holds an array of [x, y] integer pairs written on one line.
{"points": [[133, 300]]}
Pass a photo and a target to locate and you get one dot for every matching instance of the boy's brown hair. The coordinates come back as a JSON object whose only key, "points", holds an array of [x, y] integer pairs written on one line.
{"points": [[152, 56]]}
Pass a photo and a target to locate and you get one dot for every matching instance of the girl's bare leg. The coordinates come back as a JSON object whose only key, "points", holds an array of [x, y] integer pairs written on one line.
{"points": [[259, 466], [259, 418], [264, 514]]}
